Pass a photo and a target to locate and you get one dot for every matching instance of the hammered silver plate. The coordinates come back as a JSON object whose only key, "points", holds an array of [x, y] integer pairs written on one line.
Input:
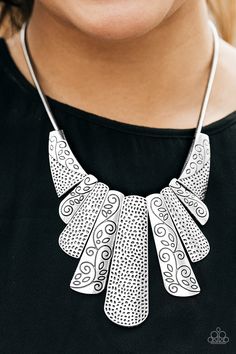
{"points": [[73, 201], [196, 170], [194, 241], [65, 169], [126, 302], [75, 235], [91, 274], [176, 271], [191, 202]]}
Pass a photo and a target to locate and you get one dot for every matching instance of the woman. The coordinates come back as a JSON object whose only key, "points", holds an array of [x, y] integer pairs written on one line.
{"points": [[125, 81]]}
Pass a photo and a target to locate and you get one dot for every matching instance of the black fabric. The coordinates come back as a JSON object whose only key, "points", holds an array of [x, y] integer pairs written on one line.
{"points": [[38, 311]]}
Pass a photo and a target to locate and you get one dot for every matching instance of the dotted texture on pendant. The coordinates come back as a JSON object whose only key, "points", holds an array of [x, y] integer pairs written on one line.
{"points": [[75, 235], [126, 302]]}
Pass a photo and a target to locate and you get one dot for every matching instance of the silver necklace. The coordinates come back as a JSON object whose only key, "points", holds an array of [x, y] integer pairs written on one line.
{"points": [[108, 232]]}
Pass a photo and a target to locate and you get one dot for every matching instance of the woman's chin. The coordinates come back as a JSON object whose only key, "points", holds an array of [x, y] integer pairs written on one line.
{"points": [[107, 20], [116, 32]]}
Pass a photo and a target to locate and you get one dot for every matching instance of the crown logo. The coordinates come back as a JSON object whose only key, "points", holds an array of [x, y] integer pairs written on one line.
{"points": [[218, 337]]}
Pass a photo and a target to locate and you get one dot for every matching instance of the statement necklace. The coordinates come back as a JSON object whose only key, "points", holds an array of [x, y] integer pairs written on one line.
{"points": [[108, 232]]}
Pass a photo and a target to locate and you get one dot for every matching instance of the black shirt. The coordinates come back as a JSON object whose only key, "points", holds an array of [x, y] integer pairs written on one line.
{"points": [[39, 313]]}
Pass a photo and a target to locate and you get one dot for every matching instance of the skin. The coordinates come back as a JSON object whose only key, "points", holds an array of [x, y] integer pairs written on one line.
{"points": [[134, 61]]}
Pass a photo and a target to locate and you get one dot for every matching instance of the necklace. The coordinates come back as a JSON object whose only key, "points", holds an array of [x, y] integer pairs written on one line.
{"points": [[108, 232]]}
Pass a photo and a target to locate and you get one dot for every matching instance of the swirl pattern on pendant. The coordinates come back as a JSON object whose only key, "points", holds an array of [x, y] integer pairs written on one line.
{"points": [[177, 274], [195, 173], [75, 235], [75, 198], [91, 274], [198, 156], [126, 302], [198, 209], [65, 169], [198, 182], [60, 150], [194, 241]]}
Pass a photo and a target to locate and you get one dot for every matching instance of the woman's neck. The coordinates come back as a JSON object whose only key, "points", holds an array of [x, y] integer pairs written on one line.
{"points": [[155, 80]]}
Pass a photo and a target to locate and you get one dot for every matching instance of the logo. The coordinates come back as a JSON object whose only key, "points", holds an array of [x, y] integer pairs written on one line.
{"points": [[218, 337]]}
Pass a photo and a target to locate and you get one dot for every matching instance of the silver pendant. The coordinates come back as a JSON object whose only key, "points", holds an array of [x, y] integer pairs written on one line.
{"points": [[75, 235], [65, 169], [191, 202], [176, 271], [112, 238], [194, 241], [195, 173], [91, 273], [109, 232], [126, 301], [76, 197]]}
